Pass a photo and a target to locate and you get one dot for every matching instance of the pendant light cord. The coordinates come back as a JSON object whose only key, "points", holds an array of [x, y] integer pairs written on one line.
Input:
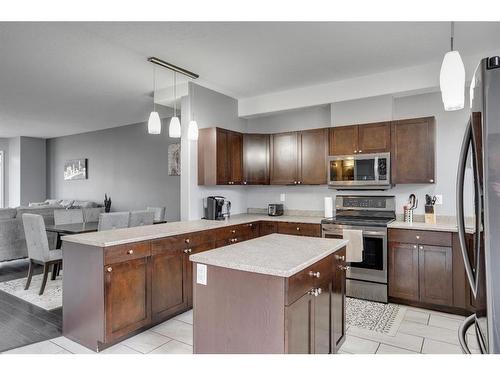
{"points": [[175, 94], [192, 102], [154, 88], [452, 33]]}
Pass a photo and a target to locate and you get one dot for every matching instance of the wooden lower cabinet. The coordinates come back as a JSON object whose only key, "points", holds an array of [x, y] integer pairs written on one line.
{"points": [[169, 273], [403, 270], [267, 227], [428, 272], [300, 325], [127, 295], [338, 300]]}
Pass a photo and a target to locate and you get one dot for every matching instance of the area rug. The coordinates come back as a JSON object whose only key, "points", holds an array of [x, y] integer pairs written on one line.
{"points": [[374, 316], [49, 300]]}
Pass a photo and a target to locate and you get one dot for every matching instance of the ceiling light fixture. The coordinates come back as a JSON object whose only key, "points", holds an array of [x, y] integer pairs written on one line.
{"points": [[452, 78], [174, 130], [193, 126], [154, 122]]}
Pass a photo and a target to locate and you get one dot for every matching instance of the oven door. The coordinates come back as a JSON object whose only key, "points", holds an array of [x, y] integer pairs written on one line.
{"points": [[374, 264]]}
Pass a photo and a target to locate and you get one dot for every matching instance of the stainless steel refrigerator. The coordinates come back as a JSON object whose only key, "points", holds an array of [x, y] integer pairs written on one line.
{"points": [[481, 145]]}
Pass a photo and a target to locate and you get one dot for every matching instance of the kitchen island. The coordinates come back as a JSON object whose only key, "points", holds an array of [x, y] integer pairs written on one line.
{"points": [[273, 294], [120, 282]]}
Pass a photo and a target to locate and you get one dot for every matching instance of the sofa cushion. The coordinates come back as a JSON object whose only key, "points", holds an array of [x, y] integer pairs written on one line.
{"points": [[8, 213], [53, 202], [83, 204], [66, 203], [38, 204]]}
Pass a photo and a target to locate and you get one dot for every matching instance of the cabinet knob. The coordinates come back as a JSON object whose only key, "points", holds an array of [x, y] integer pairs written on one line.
{"points": [[130, 252], [298, 228], [418, 237], [344, 268], [314, 292], [421, 247], [186, 240], [360, 151], [414, 246], [319, 291], [340, 257], [355, 151], [250, 225], [295, 182], [187, 251], [314, 274], [299, 182], [233, 231], [244, 182], [109, 269], [431, 180]]}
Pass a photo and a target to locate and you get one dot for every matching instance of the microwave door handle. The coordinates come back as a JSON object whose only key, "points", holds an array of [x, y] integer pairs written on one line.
{"points": [[375, 167], [462, 161]]}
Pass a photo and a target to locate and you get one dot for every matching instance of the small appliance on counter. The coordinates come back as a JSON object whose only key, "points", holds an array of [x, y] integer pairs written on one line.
{"points": [[216, 208], [430, 214], [275, 209]]}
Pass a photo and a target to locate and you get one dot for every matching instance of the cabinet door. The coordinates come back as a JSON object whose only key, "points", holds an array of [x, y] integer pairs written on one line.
{"points": [[403, 271], [284, 162], [374, 138], [413, 147], [168, 291], [188, 282], [322, 319], [338, 300], [127, 295], [256, 159], [436, 275], [235, 157], [344, 140], [299, 320], [222, 150], [313, 153]]}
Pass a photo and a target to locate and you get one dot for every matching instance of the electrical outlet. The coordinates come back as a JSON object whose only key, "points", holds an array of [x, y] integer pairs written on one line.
{"points": [[439, 199], [282, 197]]}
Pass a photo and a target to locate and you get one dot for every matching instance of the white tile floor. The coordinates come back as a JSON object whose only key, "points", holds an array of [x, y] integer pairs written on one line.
{"points": [[422, 331]]}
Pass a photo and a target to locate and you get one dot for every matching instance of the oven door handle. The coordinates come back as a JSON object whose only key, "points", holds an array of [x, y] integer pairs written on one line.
{"points": [[373, 233]]}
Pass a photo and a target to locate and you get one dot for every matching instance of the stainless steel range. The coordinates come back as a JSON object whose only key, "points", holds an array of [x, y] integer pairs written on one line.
{"points": [[371, 214]]}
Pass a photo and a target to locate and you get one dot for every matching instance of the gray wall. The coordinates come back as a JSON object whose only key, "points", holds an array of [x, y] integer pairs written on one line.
{"points": [[33, 170], [125, 162], [4, 146], [450, 128], [14, 172]]}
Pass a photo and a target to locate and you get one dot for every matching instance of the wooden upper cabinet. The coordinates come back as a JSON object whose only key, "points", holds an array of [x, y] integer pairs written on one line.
{"points": [[284, 158], [220, 157], [374, 137], [313, 151], [344, 140], [256, 159], [412, 153]]}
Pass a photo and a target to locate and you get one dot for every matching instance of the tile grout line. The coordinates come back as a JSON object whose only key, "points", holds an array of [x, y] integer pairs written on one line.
{"points": [[399, 347]]}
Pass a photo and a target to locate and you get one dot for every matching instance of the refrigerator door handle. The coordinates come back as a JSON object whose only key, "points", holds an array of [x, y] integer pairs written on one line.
{"points": [[462, 333], [462, 162]]}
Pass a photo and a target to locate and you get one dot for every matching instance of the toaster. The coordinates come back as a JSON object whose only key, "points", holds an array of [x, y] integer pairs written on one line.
{"points": [[275, 209]]}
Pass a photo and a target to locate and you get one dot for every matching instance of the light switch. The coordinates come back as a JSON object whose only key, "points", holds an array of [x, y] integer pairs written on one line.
{"points": [[439, 199], [282, 197], [201, 274]]}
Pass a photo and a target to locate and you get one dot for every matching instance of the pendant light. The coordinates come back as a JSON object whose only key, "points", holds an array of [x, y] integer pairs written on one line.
{"points": [[154, 122], [452, 79], [174, 130], [193, 126]]}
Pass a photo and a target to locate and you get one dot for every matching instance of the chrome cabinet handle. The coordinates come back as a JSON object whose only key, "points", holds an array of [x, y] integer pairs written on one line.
{"points": [[130, 252], [314, 274], [233, 231], [344, 268], [314, 292], [109, 269], [319, 290]]}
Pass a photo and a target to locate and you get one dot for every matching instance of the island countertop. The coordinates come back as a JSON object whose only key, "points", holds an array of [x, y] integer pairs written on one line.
{"points": [[274, 254], [151, 232]]}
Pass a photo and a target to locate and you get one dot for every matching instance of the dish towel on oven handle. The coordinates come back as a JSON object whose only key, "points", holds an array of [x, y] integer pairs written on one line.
{"points": [[354, 249]]}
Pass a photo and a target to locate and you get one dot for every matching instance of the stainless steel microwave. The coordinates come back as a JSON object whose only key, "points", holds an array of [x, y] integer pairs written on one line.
{"points": [[361, 171]]}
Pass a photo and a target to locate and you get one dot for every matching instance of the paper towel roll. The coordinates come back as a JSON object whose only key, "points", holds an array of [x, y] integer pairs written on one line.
{"points": [[328, 207]]}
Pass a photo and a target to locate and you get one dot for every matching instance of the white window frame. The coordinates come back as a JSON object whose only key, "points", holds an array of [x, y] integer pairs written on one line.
{"points": [[2, 179]]}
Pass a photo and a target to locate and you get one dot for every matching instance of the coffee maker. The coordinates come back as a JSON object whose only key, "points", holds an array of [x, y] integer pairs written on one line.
{"points": [[217, 208]]}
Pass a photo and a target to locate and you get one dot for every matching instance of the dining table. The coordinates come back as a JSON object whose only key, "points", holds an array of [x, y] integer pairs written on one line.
{"points": [[73, 228]]}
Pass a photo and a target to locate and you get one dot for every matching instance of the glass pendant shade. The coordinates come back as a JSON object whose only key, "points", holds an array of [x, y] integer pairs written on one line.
{"points": [[174, 130], [193, 131], [452, 81], [154, 123]]}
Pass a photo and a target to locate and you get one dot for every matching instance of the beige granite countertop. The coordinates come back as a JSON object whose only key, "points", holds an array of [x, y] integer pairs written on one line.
{"points": [[150, 232], [439, 226], [275, 254]]}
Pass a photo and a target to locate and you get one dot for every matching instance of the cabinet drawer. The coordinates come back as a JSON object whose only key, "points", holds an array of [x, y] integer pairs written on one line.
{"points": [[300, 283], [248, 230], [231, 241], [181, 241], [121, 253], [424, 237], [300, 229], [267, 227]]}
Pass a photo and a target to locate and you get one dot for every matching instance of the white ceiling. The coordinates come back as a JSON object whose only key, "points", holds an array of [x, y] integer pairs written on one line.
{"points": [[65, 78]]}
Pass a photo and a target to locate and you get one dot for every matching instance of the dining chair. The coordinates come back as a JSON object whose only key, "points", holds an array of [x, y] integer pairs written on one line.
{"points": [[38, 249], [113, 220], [70, 216], [140, 218], [92, 214], [160, 213]]}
